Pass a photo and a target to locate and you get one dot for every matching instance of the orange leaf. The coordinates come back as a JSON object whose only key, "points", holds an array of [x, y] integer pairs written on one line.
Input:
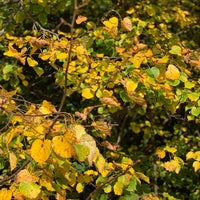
{"points": [[81, 19]]}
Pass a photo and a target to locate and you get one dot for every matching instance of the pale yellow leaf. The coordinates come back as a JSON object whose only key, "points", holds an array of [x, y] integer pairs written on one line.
{"points": [[47, 108], [12, 160]]}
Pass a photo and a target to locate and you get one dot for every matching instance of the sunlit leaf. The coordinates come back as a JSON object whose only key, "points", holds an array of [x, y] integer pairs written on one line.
{"points": [[196, 165], [170, 149], [29, 189], [41, 150], [172, 72], [190, 155], [107, 189], [112, 101]]}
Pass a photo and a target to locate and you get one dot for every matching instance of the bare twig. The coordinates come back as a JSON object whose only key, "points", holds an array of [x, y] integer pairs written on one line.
{"points": [[28, 160]]}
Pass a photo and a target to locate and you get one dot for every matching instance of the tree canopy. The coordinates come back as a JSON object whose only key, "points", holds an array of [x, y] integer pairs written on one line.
{"points": [[99, 99]]}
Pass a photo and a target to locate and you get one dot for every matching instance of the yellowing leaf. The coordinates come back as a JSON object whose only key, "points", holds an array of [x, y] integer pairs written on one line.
{"points": [[142, 177], [137, 60], [25, 176], [162, 60], [193, 96], [41, 150], [79, 187], [32, 62], [160, 153], [107, 189], [5, 194], [82, 152], [172, 72], [86, 140], [81, 19], [118, 188], [29, 189], [131, 85], [61, 55], [176, 50], [12, 160], [87, 93], [196, 165], [100, 163], [63, 144], [127, 24], [111, 23], [47, 108]]}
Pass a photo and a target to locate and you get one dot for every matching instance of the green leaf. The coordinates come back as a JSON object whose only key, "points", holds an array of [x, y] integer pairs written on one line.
{"points": [[153, 72], [8, 68], [39, 71], [29, 189], [132, 185], [195, 111]]}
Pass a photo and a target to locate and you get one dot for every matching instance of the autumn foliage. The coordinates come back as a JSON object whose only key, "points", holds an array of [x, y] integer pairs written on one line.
{"points": [[99, 100]]}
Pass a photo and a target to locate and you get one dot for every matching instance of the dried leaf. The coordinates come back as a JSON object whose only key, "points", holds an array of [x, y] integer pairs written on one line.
{"points": [[25, 176], [112, 101], [127, 24], [102, 126], [12, 160]]}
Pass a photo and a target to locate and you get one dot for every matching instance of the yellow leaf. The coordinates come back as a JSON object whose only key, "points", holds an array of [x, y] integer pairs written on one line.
{"points": [[160, 153], [171, 166], [127, 24], [46, 55], [79, 187], [196, 165], [190, 155], [41, 150], [63, 144], [118, 188], [32, 62], [86, 93], [61, 55], [47, 108], [12, 160], [5, 194], [131, 85], [137, 60], [170, 149], [111, 23], [172, 72], [81, 19]]}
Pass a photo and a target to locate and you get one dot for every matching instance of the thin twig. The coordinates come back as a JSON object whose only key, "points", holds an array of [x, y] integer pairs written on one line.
{"points": [[3, 182]]}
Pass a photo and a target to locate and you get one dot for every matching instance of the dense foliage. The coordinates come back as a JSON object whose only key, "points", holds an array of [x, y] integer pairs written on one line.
{"points": [[99, 99]]}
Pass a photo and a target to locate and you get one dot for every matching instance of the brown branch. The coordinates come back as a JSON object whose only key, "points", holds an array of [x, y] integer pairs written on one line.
{"points": [[28, 160]]}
